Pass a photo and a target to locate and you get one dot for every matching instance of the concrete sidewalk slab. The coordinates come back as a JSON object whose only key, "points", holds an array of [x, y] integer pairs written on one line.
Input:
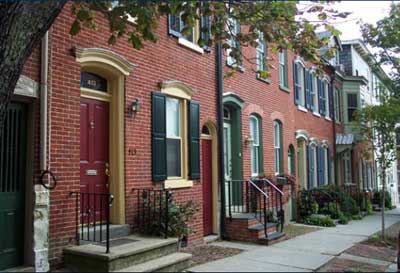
{"points": [[282, 256], [233, 264]]}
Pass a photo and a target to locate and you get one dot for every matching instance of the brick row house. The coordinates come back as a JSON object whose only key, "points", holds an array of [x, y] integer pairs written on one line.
{"points": [[111, 123]]}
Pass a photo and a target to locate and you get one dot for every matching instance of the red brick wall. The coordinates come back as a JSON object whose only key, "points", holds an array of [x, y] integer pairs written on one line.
{"points": [[163, 61]]}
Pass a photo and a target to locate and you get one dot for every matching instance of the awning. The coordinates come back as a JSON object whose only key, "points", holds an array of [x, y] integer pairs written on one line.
{"points": [[344, 142], [344, 139]]}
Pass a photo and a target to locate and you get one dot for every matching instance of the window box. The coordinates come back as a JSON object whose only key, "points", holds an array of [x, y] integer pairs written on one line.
{"points": [[281, 180], [266, 80]]}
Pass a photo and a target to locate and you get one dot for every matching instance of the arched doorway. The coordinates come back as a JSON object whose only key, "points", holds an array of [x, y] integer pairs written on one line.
{"points": [[102, 100], [232, 133], [209, 179]]}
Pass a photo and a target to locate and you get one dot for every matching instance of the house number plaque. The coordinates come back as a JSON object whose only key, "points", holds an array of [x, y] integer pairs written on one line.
{"points": [[91, 172]]}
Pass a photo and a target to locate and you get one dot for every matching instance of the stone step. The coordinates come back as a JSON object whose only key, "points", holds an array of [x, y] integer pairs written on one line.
{"points": [[272, 238], [175, 262], [124, 252], [116, 231], [258, 229]]}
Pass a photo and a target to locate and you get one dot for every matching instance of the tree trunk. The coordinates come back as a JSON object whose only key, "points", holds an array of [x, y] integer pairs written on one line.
{"points": [[383, 202], [23, 24]]}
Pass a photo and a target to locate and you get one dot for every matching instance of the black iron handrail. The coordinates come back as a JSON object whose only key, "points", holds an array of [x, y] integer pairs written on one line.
{"points": [[257, 196], [152, 211], [91, 214]]}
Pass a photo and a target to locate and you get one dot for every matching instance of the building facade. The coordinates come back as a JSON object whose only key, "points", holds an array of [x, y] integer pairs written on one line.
{"points": [[100, 120]]}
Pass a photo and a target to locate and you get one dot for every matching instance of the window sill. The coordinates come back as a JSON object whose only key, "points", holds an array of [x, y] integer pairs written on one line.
{"points": [[328, 118], [240, 68], [283, 88], [177, 183], [190, 45], [266, 80], [316, 114], [301, 108]]}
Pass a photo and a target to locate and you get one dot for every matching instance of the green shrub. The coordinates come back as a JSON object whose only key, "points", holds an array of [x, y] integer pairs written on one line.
{"points": [[343, 220], [324, 221], [369, 207], [305, 204], [356, 217], [377, 199], [314, 207], [348, 205]]}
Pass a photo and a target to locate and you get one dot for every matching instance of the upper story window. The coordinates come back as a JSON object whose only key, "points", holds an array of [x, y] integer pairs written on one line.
{"points": [[309, 89], [299, 83], [234, 28], [322, 93], [278, 152], [198, 33], [327, 98], [337, 107], [261, 54], [256, 154], [283, 69], [352, 106]]}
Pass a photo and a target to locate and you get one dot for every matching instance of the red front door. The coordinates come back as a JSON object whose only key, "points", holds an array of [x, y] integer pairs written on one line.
{"points": [[94, 156], [207, 186]]}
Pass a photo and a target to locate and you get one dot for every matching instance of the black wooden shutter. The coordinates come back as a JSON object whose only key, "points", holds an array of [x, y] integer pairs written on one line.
{"points": [[194, 140], [320, 96], [159, 137]]}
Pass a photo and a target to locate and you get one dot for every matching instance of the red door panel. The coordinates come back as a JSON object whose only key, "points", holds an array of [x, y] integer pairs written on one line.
{"points": [[207, 186], [94, 156]]}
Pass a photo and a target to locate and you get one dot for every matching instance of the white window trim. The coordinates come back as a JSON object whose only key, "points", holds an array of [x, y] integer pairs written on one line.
{"points": [[302, 101], [317, 114], [316, 95], [257, 163], [184, 42], [283, 63], [302, 108], [277, 146]]}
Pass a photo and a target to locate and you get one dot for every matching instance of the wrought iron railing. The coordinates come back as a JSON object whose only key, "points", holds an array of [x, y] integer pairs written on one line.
{"points": [[359, 195], [259, 197], [92, 217], [151, 211]]}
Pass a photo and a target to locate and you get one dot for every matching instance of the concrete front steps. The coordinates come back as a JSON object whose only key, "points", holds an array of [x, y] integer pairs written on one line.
{"points": [[131, 253], [246, 227]]}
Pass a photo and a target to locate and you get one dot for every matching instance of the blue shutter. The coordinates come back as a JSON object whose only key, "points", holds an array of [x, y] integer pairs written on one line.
{"points": [[310, 167], [307, 89], [321, 95], [296, 84], [329, 167], [331, 102], [311, 87]]}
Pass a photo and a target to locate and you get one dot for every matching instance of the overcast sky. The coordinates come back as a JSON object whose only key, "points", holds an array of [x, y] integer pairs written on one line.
{"points": [[367, 11]]}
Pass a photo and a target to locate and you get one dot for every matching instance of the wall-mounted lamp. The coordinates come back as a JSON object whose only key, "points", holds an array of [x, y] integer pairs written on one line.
{"points": [[249, 140], [135, 107]]}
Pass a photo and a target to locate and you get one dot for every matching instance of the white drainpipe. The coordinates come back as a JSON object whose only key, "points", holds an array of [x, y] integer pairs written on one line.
{"points": [[43, 101], [41, 205]]}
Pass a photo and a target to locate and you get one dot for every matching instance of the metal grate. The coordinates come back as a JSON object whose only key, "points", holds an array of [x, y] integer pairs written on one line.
{"points": [[11, 150]]}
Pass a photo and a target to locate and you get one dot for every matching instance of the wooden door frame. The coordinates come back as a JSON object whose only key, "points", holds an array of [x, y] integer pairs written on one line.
{"points": [[214, 161], [114, 68]]}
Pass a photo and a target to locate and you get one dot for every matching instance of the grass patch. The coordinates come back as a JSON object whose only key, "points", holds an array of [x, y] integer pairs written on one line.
{"points": [[292, 231]]}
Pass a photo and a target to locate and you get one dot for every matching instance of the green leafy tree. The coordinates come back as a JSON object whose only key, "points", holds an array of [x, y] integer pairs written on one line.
{"points": [[283, 24], [376, 126]]}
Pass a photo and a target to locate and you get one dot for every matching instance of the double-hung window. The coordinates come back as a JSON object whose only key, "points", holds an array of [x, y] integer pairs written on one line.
{"points": [[327, 98], [299, 83], [322, 97], [283, 69], [337, 107], [261, 54], [174, 137], [234, 58], [352, 106], [315, 82], [278, 156], [256, 154]]}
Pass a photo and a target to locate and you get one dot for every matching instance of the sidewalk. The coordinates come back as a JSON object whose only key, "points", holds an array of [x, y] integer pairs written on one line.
{"points": [[304, 253]]}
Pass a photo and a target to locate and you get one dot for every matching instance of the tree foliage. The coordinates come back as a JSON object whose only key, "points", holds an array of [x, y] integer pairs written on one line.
{"points": [[283, 24]]}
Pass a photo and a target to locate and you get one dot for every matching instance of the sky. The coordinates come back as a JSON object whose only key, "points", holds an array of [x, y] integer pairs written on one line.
{"points": [[367, 11]]}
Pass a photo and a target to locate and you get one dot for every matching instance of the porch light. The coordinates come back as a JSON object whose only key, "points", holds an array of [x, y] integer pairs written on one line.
{"points": [[135, 107], [249, 140]]}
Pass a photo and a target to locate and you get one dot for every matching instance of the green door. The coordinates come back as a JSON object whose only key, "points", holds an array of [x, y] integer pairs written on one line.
{"points": [[12, 178]]}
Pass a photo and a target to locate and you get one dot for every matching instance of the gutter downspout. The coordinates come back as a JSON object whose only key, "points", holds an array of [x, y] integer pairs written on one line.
{"points": [[220, 126], [43, 101], [41, 194], [334, 126]]}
